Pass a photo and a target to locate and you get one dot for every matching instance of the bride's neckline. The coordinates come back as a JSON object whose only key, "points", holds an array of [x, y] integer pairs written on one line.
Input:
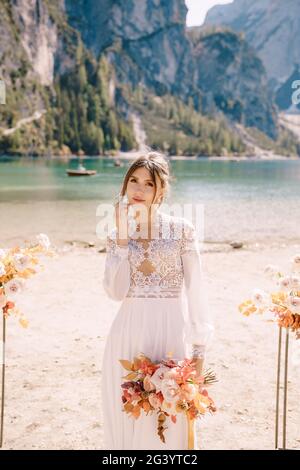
{"points": [[156, 224]]}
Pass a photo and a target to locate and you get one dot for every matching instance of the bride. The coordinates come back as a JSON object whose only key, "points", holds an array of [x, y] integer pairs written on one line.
{"points": [[159, 279]]}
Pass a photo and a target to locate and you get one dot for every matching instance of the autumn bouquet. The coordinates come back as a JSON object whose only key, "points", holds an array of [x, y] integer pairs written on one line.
{"points": [[16, 265], [168, 387], [282, 304]]}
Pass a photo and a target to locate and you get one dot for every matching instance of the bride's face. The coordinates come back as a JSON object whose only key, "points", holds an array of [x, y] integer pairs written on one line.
{"points": [[141, 188]]}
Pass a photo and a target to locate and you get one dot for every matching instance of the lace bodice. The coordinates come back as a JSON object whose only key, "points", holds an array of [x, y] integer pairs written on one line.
{"points": [[166, 266], [156, 268]]}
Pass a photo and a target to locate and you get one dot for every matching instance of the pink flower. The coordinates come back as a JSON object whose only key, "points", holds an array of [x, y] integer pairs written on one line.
{"points": [[148, 385], [295, 282], [170, 390], [290, 282], [188, 392], [14, 286], [154, 400], [285, 283], [169, 407], [293, 303], [260, 297], [21, 261]]}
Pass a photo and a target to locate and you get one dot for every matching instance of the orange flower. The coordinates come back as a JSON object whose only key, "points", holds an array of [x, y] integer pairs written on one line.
{"points": [[8, 307]]}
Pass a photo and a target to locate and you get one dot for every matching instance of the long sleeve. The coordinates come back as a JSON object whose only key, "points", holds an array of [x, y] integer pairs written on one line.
{"points": [[198, 328], [116, 279]]}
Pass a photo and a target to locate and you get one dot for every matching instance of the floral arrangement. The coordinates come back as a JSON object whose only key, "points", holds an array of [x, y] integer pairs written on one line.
{"points": [[282, 305], [167, 387], [16, 265]]}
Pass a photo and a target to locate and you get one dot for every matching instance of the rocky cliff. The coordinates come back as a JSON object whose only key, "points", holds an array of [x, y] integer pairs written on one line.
{"points": [[272, 27], [233, 79], [74, 57], [155, 48]]}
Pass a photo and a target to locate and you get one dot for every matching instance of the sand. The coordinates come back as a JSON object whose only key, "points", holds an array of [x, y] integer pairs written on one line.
{"points": [[53, 374]]}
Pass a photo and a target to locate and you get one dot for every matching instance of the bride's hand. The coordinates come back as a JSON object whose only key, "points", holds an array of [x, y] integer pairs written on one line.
{"points": [[198, 364], [121, 220]]}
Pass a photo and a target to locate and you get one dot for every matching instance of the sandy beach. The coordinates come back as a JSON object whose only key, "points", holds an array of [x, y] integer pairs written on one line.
{"points": [[53, 380]]}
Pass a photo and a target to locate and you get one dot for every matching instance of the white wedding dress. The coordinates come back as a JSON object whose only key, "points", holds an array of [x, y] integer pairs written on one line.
{"points": [[164, 309]]}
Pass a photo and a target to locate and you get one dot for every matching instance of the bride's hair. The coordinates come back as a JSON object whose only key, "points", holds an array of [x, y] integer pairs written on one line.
{"points": [[158, 167]]}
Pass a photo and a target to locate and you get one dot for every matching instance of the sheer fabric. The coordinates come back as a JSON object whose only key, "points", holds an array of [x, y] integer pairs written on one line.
{"points": [[164, 308]]}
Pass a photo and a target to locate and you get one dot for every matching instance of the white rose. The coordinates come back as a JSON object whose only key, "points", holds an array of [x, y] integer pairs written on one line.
{"points": [[285, 283], [21, 261], [14, 286], [293, 303], [43, 240], [260, 297], [2, 269], [170, 390], [2, 253], [158, 377]]}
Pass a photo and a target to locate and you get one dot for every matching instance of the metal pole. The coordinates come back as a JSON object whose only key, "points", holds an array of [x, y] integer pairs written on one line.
{"points": [[278, 387], [286, 362], [3, 379], [285, 389]]}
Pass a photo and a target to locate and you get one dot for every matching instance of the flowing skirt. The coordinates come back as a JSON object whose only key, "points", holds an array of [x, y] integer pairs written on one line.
{"points": [[153, 326]]}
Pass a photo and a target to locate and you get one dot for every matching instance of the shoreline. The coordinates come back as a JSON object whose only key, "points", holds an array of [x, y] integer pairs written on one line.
{"points": [[81, 245], [134, 154]]}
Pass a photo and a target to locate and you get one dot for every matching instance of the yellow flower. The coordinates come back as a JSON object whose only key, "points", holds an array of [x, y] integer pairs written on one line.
{"points": [[23, 322]]}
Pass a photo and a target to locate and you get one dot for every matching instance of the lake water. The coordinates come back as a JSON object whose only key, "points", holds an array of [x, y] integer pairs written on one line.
{"points": [[257, 202]]}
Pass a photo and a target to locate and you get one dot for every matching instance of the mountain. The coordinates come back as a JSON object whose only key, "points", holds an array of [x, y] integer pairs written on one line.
{"points": [[80, 73], [152, 46], [65, 96], [155, 49], [233, 79], [272, 27]]}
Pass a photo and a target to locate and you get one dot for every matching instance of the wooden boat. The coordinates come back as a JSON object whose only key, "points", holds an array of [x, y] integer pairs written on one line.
{"points": [[81, 172]]}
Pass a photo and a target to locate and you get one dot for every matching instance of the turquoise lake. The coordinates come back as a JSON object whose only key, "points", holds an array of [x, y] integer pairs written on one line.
{"points": [[252, 201]]}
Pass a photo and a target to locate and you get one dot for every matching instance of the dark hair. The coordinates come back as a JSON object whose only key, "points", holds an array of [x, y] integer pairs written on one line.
{"points": [[158, 167]]}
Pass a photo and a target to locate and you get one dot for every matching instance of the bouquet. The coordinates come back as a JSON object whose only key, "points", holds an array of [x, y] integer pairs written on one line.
{"points": [[282, 304], [16, 265], [168, 387]]}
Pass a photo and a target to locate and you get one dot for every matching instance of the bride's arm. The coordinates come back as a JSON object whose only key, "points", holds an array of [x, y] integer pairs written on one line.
{"points": [[198, 328], [116, 280]]}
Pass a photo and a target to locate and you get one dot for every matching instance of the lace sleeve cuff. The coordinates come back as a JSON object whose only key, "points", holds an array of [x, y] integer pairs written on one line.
{"points": [[121, 251], [195, 350], [115, 249]]}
